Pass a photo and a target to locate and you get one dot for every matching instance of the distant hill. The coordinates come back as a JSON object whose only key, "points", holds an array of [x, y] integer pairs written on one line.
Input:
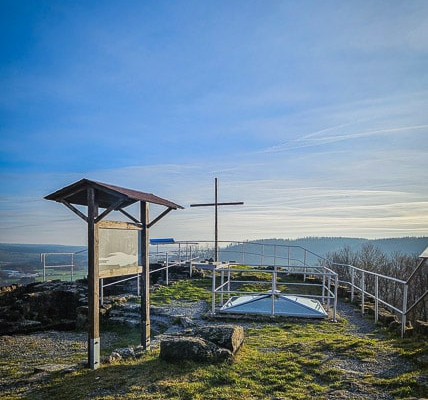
{"points": [[27, 256], [323, 245]]}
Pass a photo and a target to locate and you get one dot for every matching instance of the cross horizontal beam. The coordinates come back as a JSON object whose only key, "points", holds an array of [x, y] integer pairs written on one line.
{"points": [[236, 203]]}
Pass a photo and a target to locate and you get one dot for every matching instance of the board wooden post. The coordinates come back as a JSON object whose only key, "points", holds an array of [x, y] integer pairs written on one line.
{"points": [[93, 284], [145, 277]]}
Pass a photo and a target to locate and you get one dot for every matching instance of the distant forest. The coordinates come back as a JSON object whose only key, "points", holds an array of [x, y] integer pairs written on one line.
{"points": [[325, 245]]}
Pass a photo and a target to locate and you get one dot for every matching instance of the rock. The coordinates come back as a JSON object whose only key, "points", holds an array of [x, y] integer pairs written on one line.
{"points": [[126, 353], [114, 357], [229, 336], [192, 348], [386, 317], [186, 322], [211, 343], [421, 327]]}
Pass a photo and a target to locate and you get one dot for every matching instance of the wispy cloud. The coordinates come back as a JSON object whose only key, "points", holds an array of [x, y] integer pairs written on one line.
{"points": [[326, 137]]}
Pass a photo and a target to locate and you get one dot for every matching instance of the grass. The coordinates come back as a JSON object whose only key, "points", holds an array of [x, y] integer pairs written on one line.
{"points": [[278, 359], [188, 290]]}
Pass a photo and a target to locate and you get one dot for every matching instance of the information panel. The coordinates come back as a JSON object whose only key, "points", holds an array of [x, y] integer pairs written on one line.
{"points": [[118, 248]]}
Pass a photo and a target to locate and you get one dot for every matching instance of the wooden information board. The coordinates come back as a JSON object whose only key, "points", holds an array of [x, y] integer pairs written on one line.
{"points": [[118, 248]]}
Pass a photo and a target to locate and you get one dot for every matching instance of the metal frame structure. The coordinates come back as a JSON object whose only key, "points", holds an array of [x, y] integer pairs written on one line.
{"points": [[326, 281]]}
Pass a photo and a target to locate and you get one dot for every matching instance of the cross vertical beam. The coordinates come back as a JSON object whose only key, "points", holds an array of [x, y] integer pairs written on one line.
{"points": [[216, 204]]}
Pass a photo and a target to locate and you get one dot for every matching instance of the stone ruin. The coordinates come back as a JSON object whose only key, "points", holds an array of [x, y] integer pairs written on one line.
{"points": [[41, 306], [57, 305]]}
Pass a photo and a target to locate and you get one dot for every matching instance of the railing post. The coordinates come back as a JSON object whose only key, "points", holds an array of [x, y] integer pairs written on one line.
{"points": [[336, 284], [101, 291], [228, 281], [274, 254], [44, 267], [222, 283], [363, 289], [167, 269], [243, 253], [273, 290], [323, 288], [352, 283], [376, 298], [72, 266], [213, 291], [190, 261], [304, 264], [262, 255], [328, 292], [404, 312], [138, 284]]}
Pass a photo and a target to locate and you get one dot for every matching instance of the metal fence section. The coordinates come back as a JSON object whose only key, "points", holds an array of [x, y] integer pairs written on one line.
{"points": [[57, 261]]}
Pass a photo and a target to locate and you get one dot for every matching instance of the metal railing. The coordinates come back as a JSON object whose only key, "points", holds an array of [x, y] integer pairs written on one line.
{"points": [[287, 259], [59, 261], [59, 264], [372, 285]]}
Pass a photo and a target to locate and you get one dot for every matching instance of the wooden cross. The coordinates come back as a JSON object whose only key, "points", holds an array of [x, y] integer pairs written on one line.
{"points": [[216, 204]]}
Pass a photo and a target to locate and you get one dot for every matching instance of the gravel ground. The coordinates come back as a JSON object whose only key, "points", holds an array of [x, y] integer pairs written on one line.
{"points": [[386, 364], [28, 359], [35, 356]]}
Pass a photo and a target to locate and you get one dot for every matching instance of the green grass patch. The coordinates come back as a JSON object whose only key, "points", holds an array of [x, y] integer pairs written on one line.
{"points": [[290, 360], [189, 290]]}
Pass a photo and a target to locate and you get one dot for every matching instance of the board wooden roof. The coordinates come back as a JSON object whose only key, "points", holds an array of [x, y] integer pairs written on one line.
{"points": [[106, 195]]}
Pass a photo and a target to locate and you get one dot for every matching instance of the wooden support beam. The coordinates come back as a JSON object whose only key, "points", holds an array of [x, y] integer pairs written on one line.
{"points": [[131, 217], [109, 210], [145, 276], [159, 217], [74, 209], [93, 283]]}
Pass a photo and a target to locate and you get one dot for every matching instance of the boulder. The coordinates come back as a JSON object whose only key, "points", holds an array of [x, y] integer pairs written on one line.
{"points": [[211, 343], [228, 336], [191, 348]]}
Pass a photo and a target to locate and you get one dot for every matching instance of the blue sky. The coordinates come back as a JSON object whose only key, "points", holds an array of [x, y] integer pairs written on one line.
{"points": [[314, 113]]}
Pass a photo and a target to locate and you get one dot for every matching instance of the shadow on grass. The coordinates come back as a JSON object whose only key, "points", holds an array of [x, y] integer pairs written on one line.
{"points": [[150, 377]]}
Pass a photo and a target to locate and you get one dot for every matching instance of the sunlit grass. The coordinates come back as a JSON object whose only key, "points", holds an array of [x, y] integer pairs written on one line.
{"points": [[290, 360]]}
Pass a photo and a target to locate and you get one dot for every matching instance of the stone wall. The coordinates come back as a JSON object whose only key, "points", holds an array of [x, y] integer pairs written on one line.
{"points": [[40, 306]]}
